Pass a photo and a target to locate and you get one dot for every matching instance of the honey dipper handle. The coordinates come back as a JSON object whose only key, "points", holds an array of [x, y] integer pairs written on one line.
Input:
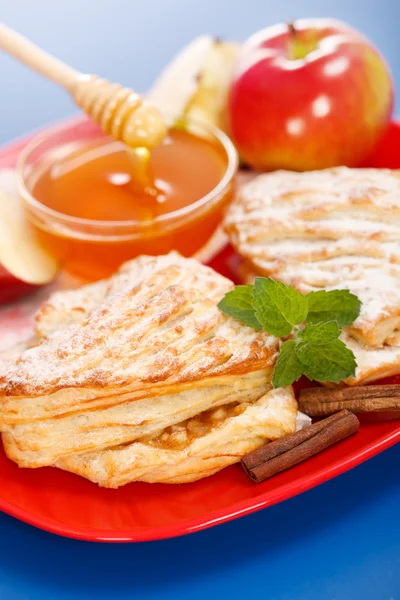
{"points": [[28, 53]]}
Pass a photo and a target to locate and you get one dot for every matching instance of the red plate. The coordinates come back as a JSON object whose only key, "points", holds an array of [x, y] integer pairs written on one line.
{"points": [[68, 505]]}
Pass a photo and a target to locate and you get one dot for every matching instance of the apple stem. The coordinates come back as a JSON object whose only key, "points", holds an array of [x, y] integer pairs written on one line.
{"points": [[293, 49], [297, 48], [292, 29]]}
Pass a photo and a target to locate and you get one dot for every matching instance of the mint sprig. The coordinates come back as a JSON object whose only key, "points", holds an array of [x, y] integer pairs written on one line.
{"points": [[312, 321]]}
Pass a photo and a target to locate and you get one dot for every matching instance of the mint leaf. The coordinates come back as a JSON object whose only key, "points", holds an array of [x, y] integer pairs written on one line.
{"points": [[329, 362], [238, 304], [288, 368], [337, 305], [321, 333], [277, 306]]}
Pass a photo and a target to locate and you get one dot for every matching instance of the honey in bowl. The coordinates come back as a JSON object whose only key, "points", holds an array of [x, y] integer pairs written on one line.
{"points": [[84, 199]]}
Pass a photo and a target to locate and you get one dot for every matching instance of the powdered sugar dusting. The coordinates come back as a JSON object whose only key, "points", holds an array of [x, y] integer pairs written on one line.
{"points": [[156, 320]]}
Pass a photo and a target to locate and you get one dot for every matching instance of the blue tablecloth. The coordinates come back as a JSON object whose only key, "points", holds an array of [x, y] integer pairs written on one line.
{"points": [[337, 542], [340, 541]]}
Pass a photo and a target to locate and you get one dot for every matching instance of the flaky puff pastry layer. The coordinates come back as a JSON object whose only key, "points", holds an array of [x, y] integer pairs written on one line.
{"points": [[196, 448], [42, 442], [128, 358]]}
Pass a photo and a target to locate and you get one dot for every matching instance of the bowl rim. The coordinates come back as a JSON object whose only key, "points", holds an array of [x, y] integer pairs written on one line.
{"points": [[35, 204]]}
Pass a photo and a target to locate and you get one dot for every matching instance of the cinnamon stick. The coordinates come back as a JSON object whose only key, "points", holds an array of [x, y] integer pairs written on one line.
{"points": [[288, 451], [319, 402]]}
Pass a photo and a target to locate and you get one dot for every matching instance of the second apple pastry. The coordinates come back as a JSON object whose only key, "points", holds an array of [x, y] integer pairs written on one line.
{"points": [[332, 229]]}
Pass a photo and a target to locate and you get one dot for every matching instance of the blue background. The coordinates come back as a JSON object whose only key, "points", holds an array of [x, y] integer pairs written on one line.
{"points": [[340, 541], [129, 41]]}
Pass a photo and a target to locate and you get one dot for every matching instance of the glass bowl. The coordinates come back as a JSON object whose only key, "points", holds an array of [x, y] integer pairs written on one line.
{"points": [[92, 249]]}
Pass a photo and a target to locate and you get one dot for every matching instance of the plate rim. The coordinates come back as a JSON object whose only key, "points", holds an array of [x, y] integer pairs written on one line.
{"points": [[217, 517]]}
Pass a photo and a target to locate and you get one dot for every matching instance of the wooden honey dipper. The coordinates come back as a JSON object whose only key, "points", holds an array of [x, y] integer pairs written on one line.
{"points": [[120, 112]]}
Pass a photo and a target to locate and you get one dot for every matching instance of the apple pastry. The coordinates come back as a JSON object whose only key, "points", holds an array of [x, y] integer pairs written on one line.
{"points": [[333, 229], [142, 377]]}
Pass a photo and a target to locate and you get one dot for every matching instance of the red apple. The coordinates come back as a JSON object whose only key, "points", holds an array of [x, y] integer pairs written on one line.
{"points": [[309, 95], [11, 288]]}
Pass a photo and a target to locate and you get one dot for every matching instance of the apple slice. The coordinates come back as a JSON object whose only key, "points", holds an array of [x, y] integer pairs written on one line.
{"points": [[196, 82], [20, 254], [178, 82], [210, 100]]}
